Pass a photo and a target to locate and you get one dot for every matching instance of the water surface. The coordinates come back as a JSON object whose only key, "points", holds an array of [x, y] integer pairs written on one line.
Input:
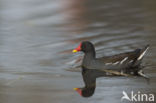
{"points": [[37, 37]]}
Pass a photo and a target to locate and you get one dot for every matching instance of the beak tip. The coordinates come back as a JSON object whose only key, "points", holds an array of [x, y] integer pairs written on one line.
{"points": [[74, 51], [74, 88]]}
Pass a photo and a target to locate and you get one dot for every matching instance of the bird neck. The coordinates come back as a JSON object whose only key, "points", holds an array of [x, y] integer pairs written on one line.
{"points": [[90, 55]]}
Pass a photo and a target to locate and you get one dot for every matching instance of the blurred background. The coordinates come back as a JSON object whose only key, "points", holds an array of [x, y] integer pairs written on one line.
{"points": [[37, 37]]}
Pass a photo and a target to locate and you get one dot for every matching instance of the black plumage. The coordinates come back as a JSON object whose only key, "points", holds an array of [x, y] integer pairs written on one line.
{"points": [[123, 64]]}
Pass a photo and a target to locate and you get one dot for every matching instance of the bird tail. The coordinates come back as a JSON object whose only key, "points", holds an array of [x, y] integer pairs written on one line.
{"points": [[142, 52], [139, 58]]}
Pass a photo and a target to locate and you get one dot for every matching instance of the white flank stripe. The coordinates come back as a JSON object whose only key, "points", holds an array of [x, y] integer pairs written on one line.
{"points": [[116, 63], [123, 60], [131, 61], [108, 63], [140, 57]]}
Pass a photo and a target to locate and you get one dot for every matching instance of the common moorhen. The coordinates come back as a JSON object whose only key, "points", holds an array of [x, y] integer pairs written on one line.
{"points": [[123, 64]]}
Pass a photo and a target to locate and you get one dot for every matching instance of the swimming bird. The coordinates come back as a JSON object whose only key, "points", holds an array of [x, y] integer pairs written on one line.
{"points": [[123, 64]]}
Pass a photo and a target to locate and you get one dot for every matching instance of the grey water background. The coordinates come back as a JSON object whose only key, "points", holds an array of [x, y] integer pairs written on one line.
{"points": [[37, 37]]}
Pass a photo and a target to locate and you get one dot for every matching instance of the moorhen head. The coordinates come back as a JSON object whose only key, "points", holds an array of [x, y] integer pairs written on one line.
{"points": [[123, 64], [85, 92], [86, 47]]}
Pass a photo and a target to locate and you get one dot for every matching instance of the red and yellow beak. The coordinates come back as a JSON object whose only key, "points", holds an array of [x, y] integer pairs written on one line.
{"points": [[78, 90], [75, 89], [74, 51], [77, 49]]}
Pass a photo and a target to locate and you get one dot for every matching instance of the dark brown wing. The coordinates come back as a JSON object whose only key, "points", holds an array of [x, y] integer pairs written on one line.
{"points": [[133, 57], [119, 57]]}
